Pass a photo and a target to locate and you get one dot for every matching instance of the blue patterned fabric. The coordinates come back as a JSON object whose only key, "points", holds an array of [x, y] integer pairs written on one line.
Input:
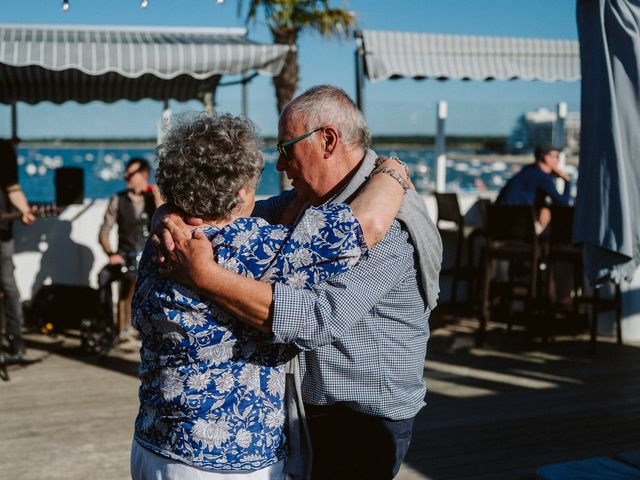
{"points": [[212, 388]]}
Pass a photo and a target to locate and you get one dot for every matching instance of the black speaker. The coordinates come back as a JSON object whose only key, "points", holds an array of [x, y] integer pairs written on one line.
{"points": [[69, 185], [62, 306]]}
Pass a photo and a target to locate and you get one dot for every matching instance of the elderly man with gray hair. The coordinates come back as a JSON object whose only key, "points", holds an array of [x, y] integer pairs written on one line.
{"points": [[363, 333]]}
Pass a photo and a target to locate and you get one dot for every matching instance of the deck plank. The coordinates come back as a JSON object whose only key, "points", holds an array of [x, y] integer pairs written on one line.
{"points": [[500, 412]]}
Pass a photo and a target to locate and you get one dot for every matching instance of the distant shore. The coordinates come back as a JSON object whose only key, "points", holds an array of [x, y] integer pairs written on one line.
{"points": [[503, 157], [462, 148], [478, 143]]}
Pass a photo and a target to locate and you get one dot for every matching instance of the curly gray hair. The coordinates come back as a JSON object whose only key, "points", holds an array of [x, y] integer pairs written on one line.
{"points": [[204, 161]]}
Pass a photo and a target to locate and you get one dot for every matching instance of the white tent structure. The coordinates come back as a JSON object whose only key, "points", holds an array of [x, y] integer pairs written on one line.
{"points": [[391, 55], [384, 55], [110, 63], [57, 64]]}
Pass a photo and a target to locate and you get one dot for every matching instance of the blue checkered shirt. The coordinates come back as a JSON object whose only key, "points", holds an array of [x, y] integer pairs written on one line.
{"points": [[363, 334]]}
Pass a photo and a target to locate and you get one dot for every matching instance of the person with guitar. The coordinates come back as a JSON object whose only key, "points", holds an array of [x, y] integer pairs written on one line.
{"points": [[11, 196], [131, 210]]}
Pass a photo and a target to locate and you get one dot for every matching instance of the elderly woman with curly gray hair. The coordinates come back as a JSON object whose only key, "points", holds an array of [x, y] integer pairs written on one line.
{"points": [[212, 394]]}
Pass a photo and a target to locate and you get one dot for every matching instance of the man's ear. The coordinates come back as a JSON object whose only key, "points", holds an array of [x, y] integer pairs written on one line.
{"points": [[330, 138]]}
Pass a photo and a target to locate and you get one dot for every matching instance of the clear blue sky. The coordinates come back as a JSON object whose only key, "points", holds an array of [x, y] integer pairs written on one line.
{"points": [[392, 107]]}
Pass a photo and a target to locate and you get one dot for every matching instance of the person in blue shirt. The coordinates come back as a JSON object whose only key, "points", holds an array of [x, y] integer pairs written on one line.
{"points": [[535, 184]]}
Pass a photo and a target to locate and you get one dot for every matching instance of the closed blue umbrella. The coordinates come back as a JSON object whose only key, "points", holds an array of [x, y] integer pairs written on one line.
{"points": [[608, 202]]}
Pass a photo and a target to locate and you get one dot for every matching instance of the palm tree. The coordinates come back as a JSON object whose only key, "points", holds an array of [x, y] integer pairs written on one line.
{"points": [[285, 19]]}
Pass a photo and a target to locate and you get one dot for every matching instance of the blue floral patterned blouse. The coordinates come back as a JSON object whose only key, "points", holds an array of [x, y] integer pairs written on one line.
{"points": [[212, 392]]}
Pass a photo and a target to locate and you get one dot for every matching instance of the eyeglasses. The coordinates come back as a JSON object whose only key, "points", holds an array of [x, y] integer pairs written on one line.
{"points": [[280, 146]]}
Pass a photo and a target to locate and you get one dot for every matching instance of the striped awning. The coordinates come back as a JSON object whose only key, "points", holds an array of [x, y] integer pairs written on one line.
{"points": [[85, 63], [392, 55]]}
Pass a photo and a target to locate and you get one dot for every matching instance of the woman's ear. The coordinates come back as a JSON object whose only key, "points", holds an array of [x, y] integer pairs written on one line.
{"points": [[247, 195], [330, 138], [243, 194]]}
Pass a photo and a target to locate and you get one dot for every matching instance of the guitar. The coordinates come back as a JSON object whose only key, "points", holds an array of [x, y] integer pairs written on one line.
{"points": [[42, 211]]}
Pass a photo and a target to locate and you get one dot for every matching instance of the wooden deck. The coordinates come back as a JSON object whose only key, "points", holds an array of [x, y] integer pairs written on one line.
{"points": [[494, 413]]}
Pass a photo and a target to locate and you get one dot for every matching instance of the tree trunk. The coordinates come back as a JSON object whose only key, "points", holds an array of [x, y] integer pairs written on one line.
{"points": [[286, 83]]}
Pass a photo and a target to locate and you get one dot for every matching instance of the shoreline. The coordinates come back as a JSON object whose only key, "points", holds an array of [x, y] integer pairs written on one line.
{"points": [[456, 152], [503, 157]]}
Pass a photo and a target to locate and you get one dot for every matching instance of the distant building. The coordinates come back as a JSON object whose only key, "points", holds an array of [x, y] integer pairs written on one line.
{"points": [[534, 128]]}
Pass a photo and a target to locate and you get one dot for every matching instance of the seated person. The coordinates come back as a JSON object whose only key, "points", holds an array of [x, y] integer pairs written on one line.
{"points": [[131, 210], [212, 395], [535, 183]]}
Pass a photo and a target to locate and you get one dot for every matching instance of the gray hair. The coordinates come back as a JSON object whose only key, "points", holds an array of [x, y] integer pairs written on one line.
{"points": [[204, 161], [325, 104]]}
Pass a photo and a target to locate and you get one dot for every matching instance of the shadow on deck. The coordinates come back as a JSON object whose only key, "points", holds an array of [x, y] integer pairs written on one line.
{"points": [[499, 412], [504, 410]]}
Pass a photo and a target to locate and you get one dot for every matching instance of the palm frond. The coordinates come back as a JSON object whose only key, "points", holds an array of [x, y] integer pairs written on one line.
{"points": [[304, 14]]}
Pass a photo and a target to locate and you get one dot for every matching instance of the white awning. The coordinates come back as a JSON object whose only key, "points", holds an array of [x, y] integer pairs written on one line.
{"points": [[391, 55], [109, 63]]}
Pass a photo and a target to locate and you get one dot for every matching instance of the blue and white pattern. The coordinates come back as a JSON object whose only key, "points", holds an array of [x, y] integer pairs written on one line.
{"points": [[212, 392]]}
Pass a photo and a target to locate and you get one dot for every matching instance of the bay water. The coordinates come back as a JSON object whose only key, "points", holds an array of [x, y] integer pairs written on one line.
{"points": [[104, 166]]}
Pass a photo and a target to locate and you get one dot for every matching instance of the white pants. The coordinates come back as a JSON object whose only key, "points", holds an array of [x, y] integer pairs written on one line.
{"points": [[146, 465]]}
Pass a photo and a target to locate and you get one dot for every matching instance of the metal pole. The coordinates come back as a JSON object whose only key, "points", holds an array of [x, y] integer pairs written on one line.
{"points": [[14, 120], [558, 138], [245, 95], [441, 153], [359, 72], [559, 129]]}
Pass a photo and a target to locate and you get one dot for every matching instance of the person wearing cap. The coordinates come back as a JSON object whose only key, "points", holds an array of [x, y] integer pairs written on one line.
{"points": [[11, 194], [535, 184]]}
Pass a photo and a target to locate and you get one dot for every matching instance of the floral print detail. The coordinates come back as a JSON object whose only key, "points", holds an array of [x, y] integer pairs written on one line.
{"points": [[275, 418], [199, 381], [211, 434], [298, 279], [212, 392], [243, 438], [216, 354], [171, 384], [276, 383]]}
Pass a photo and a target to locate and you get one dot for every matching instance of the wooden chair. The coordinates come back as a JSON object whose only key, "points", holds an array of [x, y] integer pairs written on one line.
{"points": [[511, 238], [562, 250], [451, 221], [601, 305]]}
